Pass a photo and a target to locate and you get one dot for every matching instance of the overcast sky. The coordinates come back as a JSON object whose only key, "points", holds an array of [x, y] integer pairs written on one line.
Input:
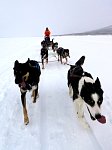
{"points": [[30, 17]]}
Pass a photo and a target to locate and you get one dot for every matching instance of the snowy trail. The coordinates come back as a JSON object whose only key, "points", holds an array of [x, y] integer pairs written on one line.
{"points": [[53, 122]]}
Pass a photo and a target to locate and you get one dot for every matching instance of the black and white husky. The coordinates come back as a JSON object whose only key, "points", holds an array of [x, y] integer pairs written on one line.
{"points": [[85, 90]]}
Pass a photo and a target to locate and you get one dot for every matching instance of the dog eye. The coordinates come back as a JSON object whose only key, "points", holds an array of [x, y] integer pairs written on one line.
{"points": [[99, 102]]}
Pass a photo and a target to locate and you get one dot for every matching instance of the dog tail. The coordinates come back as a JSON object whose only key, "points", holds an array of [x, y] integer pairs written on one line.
{"points": [[80, 61]]}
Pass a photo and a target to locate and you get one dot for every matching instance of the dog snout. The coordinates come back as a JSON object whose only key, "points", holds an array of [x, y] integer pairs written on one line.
{"points": [[97, 116]]}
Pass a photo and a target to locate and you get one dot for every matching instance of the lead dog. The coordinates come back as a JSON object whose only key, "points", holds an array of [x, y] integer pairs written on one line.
{"points": [[85, 90], [27, 77]]}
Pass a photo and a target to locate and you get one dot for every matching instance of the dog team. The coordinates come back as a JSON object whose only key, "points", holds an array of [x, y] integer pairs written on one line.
{"points": [[84, 90], [62, 53]]}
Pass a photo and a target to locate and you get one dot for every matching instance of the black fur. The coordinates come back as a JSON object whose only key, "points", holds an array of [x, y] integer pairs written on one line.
{"points": [[62, 53], [27, 76], [44, 56], [47, 43], [55, 46], [85, 88]]}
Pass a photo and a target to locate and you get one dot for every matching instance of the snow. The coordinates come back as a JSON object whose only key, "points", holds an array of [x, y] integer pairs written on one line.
{"points": [[53, 123]]}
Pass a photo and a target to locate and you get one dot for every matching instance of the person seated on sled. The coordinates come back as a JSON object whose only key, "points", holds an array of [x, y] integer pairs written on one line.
{"points": [[47, 35]]}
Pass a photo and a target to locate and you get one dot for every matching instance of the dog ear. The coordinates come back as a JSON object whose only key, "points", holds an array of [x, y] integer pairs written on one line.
{"points": [[84, 90], [86, 86], [80, 61], [28, 60], [16, 63], [97, 82]]}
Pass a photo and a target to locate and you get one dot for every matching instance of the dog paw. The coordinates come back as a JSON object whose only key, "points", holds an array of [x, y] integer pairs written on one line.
{"points": [[26, 121], [34, 101]]}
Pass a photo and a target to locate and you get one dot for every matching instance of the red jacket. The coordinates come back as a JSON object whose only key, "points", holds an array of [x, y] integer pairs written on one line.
{"points": [[47, 33]]}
